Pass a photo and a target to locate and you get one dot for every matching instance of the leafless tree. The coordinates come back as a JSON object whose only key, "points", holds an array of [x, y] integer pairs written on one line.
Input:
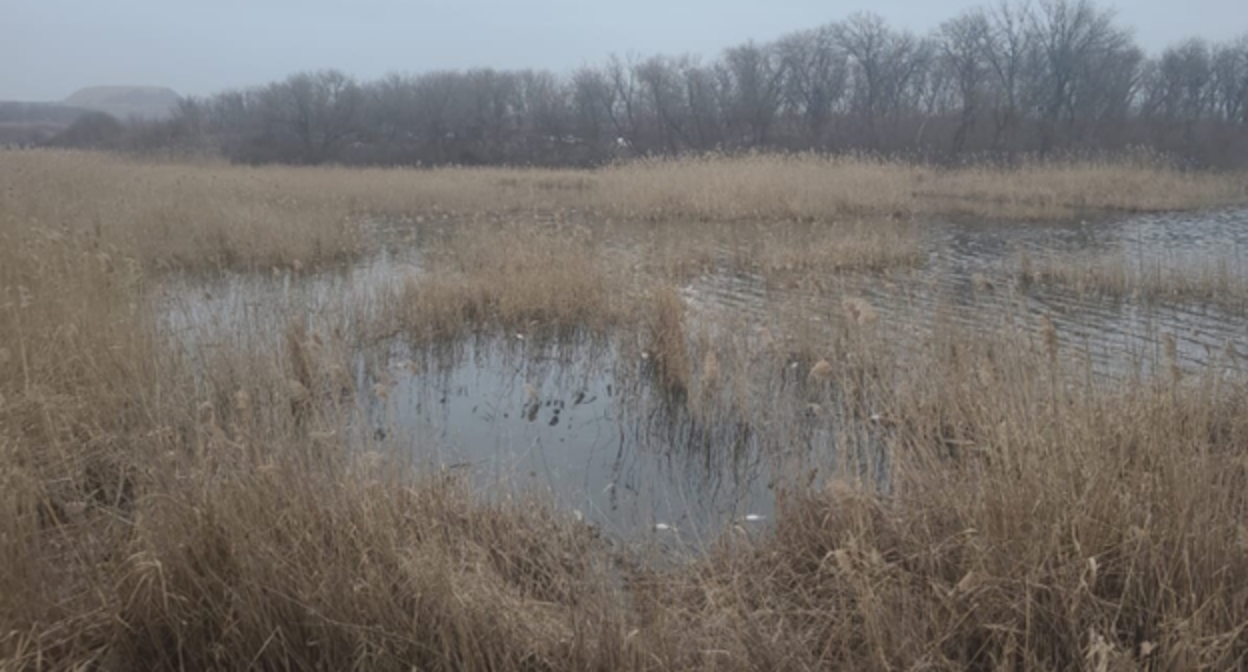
{"points": [[884, 65], [660, 83], [1008, 49], [702, 96], [1230, 81], [963, 44], [753, 78], [1072, 37], [1019, 76], [320, 109]]}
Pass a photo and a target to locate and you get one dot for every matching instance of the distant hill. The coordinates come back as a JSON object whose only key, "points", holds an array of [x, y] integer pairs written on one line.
{"points": [[29, 124], [123, 102], [26, 124]]}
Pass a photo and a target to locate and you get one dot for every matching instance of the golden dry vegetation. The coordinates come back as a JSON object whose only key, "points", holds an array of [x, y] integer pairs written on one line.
{"points": [[511, 277], [166, 511], [1216, 278], [234, 216]]}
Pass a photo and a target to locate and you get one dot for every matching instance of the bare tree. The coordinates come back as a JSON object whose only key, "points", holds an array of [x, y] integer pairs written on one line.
{"points": [[1007, 48], [752, 89], [1070, 35], [1178, 84], [1230, 81], [963, 44], [865, 39], [816, 75], [593, 112], [1015, 77], [702, 96], [884, 65], [659, 78], [543, 118], [321, 110], [628, 118]]}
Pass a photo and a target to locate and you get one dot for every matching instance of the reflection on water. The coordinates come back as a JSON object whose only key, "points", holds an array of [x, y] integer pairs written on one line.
{"points": [[584, 422], [576, 420], [581, 419]]}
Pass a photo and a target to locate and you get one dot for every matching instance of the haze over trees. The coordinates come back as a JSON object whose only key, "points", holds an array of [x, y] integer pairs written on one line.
{"points": [[1049, 76], [95, 116]]}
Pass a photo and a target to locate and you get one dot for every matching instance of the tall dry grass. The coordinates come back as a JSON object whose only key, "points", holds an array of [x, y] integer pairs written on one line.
{"points": [[808, 187], [1034, 520], [520, 279], [166, 511], [207, 213], [1215, 279], [546, 277], [186, 216], [669, 341], [1042, 190]]}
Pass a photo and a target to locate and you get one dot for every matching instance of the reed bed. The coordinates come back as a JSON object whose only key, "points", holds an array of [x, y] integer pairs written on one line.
{"points": [[214, 215], [184, 216], [1214, 280], [1062, 189], [513, 278], [166, 511]]}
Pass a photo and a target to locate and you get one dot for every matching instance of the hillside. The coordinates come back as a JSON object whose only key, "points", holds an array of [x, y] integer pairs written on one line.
{"points": [[122, 102]]}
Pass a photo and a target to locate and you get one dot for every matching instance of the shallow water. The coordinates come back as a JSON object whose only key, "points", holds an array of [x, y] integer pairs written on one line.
{"points": [[571, 419], [1120, 337], [583, 421]]}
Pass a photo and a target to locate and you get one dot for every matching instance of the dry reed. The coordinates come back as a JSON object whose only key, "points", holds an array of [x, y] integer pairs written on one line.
{"points": [[211, 214], [1214, 281], [514, 278], [178, 215], [669, 341]]}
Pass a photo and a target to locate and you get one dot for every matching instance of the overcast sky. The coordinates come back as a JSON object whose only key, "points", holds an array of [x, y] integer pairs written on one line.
{"points": [[49, 48]]}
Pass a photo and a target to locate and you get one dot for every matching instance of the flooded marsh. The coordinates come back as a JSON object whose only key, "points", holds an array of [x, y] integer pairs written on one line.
{"points": [[534, 355], [559, 435]]}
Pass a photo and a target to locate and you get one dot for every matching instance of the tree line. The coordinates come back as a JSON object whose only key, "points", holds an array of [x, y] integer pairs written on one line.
{"points": [[1016, 78]]}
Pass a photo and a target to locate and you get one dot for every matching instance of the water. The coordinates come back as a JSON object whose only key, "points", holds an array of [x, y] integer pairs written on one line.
{"points": [[577, 421], [582, 419], [1120, 337]]}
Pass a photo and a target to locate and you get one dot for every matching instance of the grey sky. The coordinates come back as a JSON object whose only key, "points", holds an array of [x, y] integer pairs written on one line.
{"points": [[49, 48]]}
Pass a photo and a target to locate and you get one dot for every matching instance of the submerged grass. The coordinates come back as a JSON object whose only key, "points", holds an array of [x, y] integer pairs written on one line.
{"points": [[166, 511]]}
